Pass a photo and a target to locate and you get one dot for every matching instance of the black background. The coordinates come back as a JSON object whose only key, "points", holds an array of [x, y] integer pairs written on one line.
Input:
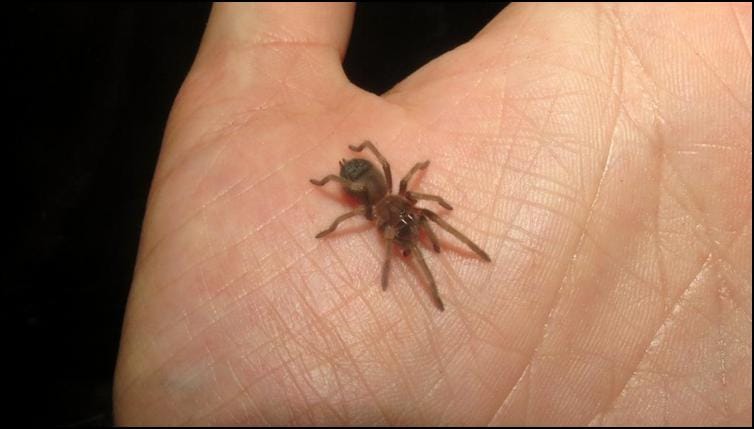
{"points": [[90, 89]]}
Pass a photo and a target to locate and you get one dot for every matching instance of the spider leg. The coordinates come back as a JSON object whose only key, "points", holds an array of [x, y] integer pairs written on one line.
{"points": [[430, 234], [385, 165], [389, 235], [355, 212], [404, 182], [430, 278], [353, 186], [458, 234], [328, 178], [415, 196]]}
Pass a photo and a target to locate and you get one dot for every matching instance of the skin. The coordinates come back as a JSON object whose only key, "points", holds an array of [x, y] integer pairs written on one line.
{"points": [[601, 154]]}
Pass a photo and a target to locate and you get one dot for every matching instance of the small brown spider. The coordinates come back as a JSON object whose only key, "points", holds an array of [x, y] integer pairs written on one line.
{"points": [[397, 217]]}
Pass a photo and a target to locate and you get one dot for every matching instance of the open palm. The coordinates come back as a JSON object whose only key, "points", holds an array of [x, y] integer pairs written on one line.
{"points": [[601, 155]]}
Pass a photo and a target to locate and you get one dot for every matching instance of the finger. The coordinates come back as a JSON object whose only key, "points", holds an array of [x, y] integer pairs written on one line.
{"points": [[276, 45], [325, 25]]}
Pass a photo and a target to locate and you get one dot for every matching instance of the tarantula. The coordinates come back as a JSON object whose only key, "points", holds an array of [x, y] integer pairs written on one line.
{"points": [[397, 217]]}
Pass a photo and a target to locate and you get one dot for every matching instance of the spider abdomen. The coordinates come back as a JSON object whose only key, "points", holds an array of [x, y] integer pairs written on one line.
{"points": [[363, 172]]}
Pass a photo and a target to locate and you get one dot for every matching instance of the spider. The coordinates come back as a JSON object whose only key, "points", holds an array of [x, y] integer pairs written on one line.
{"points": [[396, 216]]}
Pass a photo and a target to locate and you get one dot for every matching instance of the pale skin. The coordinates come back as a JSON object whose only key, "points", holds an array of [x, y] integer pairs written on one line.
{"points": [[600, 154]]}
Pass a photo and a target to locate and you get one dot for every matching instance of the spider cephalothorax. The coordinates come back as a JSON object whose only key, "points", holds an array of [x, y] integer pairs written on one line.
{"points": [[396, 216]]}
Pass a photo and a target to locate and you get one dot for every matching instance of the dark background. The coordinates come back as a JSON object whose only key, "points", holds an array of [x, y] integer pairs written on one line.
{"points": [[90, 89]]}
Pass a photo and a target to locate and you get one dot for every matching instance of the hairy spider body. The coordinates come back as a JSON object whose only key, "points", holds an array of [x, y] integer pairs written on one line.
{"points": [[396, 216], [368, 184], [400, 215]]}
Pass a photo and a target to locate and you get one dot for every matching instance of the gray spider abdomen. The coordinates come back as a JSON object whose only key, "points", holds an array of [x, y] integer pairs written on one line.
{"points": [[355, 168]]}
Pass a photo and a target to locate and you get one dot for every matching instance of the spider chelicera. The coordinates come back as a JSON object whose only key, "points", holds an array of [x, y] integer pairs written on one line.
{"points": [[396, 216]]}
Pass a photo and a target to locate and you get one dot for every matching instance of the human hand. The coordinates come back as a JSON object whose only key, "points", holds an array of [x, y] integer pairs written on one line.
{"points": [[600, 154]]}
